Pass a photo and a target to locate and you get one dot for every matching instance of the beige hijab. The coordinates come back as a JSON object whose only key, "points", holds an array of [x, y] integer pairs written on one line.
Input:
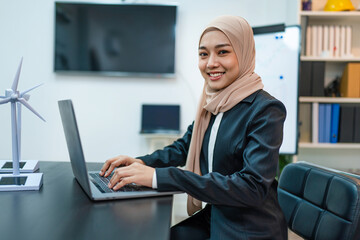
{"points": [[240, 35]]}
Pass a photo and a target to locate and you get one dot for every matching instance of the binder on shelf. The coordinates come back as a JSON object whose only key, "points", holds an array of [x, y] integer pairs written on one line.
{"points": [[317, 79], [346, 128], [315, 122], [327, 128], [308, 41], [305, 79], [326, 50], [337, 41], [335, 115], [348, 41], [305, 122], [314, 35], [332, 40], [321, 123], [357, 125], [342, 41], [350, 81], [319, 40]]}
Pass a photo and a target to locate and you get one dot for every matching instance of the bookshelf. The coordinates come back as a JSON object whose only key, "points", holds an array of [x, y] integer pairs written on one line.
{"points": [[310, 148]]}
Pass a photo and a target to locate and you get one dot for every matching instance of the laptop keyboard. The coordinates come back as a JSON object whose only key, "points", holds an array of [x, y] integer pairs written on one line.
{"points": [[102, 184]]}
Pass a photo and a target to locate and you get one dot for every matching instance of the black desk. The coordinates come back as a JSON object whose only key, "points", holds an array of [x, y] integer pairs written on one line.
{"points": [[61, 210]]}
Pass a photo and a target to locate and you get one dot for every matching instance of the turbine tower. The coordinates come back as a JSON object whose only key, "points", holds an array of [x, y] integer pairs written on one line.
{"points": [[17, 99]]}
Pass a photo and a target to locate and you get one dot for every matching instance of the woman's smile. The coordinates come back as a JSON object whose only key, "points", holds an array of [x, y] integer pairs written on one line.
{"points": [[214, 76]]}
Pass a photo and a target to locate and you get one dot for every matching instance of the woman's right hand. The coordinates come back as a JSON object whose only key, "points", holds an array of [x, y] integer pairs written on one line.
{"points": [[118, 161]]}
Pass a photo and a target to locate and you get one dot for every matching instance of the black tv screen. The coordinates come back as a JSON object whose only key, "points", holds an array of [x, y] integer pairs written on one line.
{"points": [[119, 39], [163, 119]]}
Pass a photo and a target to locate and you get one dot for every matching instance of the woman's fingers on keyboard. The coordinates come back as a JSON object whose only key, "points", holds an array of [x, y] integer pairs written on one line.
{"points": [[134, 173], [109, 166], [119, 174], [115, 162], [122, 183], [105, 168]]}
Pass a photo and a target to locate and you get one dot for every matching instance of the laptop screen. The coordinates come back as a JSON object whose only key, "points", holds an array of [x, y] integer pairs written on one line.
{"points": [[72, 137], [160, 119]]}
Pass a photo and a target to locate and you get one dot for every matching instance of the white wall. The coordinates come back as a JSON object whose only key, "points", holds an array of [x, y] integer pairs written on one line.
{"points": [[108, 108]]}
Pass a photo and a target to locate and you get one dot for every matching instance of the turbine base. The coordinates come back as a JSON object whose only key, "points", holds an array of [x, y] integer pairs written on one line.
{"points": [[22, 182], [26, 166]]}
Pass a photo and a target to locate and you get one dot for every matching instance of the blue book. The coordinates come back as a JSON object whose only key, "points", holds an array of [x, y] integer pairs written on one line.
{"points": [[321, 123], [327, 122], [335, 116]]}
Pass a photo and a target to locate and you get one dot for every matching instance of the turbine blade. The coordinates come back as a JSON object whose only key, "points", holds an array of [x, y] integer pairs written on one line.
{"points": [[25, 103], [17, 75], [6, 100], [23, 93]]}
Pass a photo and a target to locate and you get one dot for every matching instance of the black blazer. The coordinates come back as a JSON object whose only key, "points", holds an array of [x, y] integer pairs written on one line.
{"points": [[242, 187]]}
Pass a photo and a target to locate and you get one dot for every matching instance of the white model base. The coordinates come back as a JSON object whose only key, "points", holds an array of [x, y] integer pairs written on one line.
{"points": [[29, 166], [22, 182]]}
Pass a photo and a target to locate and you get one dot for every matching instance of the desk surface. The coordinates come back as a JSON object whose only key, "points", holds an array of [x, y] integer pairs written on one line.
{"points": [[62, 210]]}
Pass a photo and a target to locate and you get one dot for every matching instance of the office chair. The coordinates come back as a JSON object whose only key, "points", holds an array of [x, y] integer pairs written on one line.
{"points": [[320, 203]]}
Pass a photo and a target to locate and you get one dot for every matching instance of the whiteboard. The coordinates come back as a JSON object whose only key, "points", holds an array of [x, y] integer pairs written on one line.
{"points": [[277, 62]]}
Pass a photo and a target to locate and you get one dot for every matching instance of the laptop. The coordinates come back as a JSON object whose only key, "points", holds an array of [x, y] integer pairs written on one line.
{"points": [[94, 185]]}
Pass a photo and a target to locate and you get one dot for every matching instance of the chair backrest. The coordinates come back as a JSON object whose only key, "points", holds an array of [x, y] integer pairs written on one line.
{"points": [[320, 203]]}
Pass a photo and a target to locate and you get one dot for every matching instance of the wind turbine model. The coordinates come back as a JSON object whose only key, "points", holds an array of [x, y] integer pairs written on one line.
{"points": [[17, 181]]}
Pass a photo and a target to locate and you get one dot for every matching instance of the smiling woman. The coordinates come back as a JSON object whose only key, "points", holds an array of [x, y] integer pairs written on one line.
{"points": [[231, 150]]}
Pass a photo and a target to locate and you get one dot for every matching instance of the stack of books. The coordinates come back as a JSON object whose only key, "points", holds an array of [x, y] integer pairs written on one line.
{"points": [[339, 123], [328, 41], [312, 78]]}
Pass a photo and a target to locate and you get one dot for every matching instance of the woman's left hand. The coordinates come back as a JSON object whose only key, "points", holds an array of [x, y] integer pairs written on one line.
{"points": [[135, 173]]}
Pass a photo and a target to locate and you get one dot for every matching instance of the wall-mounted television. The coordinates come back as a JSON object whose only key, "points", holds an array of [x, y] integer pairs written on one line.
{"points": [[115, 39]]}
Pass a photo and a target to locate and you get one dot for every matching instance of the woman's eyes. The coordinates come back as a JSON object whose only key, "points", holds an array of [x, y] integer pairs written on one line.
{"points": [[223, 52], [220, 52]]}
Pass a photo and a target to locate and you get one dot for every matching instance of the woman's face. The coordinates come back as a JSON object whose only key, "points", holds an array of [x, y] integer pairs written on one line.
{"points": [[218, 63]]}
